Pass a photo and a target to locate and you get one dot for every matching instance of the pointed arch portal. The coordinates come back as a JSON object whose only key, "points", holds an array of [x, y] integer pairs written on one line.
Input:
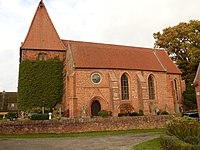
{"points": [[95, 108]]}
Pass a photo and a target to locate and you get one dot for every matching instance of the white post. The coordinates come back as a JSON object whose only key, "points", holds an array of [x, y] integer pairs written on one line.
{"points": [[50, 115]]}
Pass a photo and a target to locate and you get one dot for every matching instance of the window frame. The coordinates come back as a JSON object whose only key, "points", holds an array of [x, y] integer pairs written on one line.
{"points": [[151, 87], [125, 87], [96, 73], [42, 56]]}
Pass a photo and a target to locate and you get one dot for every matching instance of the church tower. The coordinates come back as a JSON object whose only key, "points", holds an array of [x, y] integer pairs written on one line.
{"points": [[42, 40]]}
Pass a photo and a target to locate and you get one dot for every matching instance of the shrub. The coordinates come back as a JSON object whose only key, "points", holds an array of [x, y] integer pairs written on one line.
{"points": [[12, 115], [122, 114], [1, 117], [173, 143], [133, 114], [182, 133], [194, 140], [103, 113], [160, 112], [40, 117], [129, 114], [195, 147], [183, 127], [164, 113], [141, 112]]}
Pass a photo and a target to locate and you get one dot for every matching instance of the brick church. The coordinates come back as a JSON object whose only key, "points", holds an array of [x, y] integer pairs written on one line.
{"points": [[104, 76]]}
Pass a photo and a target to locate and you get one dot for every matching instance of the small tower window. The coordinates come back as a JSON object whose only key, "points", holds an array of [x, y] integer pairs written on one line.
{"points": [[42, 56]]}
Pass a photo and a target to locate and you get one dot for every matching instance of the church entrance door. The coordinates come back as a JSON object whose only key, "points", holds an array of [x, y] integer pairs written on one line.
{"points": [[95, 108]]}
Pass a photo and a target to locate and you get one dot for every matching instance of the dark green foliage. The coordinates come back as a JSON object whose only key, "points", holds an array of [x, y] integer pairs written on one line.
{"points": [[133, 114], [103, 113], [159, 112], [12, 115], [40, 84], [129, 114], [40, 117], [189, 97], [173, 143], [195, 147], [121, 114], [194, 140], [164, 113], [141, 112], [1, 117]]}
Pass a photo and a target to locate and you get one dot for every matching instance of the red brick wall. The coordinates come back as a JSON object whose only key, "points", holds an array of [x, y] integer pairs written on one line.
{"points": [[82, 91], [33, 54], [84, 125]]}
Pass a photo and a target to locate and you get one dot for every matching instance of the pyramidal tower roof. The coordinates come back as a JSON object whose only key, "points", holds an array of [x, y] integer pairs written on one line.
{"points": [[42, 33]]}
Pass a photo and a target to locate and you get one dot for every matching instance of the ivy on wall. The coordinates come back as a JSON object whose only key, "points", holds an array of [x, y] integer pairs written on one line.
{"points": [[40, 84]]}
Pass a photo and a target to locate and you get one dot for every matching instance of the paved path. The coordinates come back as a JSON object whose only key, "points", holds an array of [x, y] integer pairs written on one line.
{"points": [[113, 142]]}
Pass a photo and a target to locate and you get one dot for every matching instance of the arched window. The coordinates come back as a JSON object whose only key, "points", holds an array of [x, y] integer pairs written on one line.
{"points": [[42, 56], [124, 87], [151, 87]]}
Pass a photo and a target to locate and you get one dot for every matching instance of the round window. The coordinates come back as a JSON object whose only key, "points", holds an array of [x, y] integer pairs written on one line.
{"points": [[96, 78]]}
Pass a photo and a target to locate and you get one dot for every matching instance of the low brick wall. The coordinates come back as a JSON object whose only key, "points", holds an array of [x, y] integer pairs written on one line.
{"points": [[84, 124]]}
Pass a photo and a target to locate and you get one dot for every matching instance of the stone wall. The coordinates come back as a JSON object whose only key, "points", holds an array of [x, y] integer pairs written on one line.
{"points": [[84, 124]]}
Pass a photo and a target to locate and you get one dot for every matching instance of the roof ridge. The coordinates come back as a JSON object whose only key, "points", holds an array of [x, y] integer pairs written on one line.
{"points": [[108, 44]]}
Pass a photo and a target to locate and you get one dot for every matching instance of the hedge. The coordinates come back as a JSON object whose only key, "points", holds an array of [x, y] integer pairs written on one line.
{"points": [[181, 134], [12, 115], [40, 84], [173, 143], [40, 117], [183, 127]]}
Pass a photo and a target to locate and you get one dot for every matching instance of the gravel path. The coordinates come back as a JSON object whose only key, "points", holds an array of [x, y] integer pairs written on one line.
{"points": [[113, 142]]}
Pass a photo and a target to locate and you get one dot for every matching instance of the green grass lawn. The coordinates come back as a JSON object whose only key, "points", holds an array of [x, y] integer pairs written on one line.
{"points": [[157, 131], [149, 145]]}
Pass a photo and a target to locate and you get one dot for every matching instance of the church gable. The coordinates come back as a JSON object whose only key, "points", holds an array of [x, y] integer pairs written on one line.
{"points": [[42, 34]]}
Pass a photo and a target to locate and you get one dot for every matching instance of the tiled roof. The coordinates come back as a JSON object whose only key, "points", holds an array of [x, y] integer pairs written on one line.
{"points": [[167, 62], [106, 56], [42, 34]]}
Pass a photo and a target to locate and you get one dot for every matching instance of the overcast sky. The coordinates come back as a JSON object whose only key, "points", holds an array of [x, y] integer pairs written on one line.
{"points": [[122, 22]]}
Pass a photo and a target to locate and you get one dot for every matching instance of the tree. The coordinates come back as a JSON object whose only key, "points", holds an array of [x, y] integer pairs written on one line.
{"points": [[189, 97], [182, 43]]}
